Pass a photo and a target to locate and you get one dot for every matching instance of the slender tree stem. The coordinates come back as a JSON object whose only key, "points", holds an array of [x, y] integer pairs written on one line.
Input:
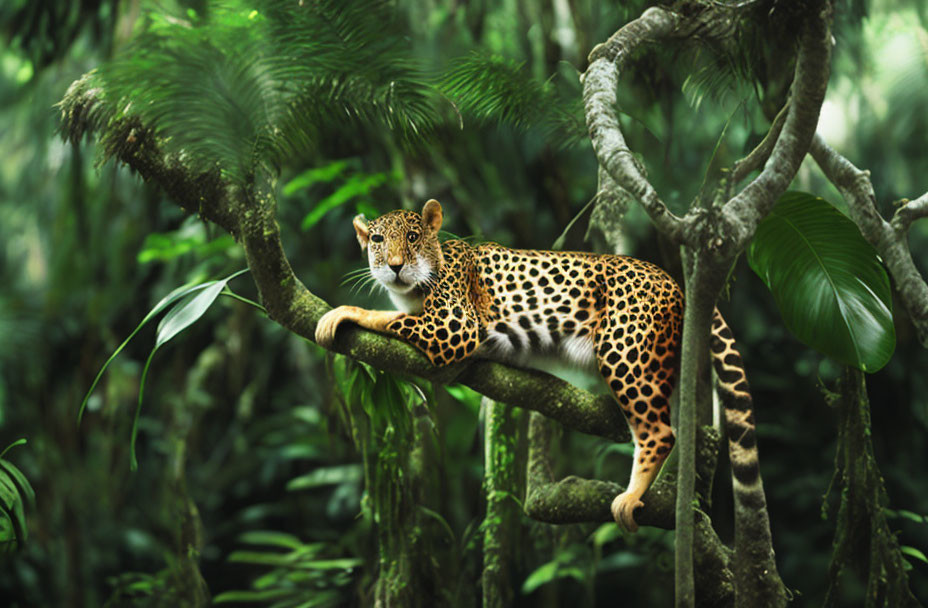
{"points": [[697, 317]]}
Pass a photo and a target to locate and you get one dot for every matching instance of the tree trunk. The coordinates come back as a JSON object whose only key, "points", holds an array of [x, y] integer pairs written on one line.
{"points": [[863, 543], [501, 524]]}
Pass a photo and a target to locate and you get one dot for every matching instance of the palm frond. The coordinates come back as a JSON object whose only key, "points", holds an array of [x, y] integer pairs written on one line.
{"points": [[251, 84], [492, 88]]}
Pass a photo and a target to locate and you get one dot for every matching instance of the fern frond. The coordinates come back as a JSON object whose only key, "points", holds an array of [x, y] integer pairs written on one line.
{"points": [[492, 88], [252, 84]]}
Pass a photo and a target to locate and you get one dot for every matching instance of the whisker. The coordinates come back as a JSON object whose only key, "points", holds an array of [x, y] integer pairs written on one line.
{"points": [[367, 283], [358, 276], [356, 271], [361, 284]]}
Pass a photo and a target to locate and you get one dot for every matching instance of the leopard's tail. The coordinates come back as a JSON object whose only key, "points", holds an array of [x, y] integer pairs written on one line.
{"points": [[753, 547]]}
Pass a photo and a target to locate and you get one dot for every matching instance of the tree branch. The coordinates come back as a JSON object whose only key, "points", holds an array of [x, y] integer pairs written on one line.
{"points": [[890, 239], [248, 212], [741, 215], [910, 212], [599, 97], [575, 500], [759, 155]]}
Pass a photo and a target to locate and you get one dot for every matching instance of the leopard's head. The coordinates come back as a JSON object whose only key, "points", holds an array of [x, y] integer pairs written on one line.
{"points": [[402, 247]]}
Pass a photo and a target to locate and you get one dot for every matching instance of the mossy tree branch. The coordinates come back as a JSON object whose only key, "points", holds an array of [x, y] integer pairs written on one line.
{"points": [[576, 500]]}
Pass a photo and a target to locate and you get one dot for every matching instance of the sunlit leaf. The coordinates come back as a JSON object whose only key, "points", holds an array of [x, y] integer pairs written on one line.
{"points": [[827, 281], [267, 537], [265, 595], [542, 575], [356, 185], [20, 441], [606, 533], [187, 312], [263, 558], [316, 175], [913, 552], [326, 476]]}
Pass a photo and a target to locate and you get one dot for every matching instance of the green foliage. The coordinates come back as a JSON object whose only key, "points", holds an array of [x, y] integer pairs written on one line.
{"points": [[46, 31], [251, 85], [568, 563], [15, 494], [300, 574], [355, 186], [493, 88], [191, 303], [246, 411], [139, 589], [827, 281], [189, 240]]}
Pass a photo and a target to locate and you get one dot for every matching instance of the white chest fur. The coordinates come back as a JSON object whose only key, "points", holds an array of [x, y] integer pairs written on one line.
{"points": [[410, 303]]}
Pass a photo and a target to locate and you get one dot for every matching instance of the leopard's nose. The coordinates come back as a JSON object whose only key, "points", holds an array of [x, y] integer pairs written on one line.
{"points": [[396, 267]]}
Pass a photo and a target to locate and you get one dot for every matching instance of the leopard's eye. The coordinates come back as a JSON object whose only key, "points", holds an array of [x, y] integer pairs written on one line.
{"points": [[377, 238], [411, 236]]}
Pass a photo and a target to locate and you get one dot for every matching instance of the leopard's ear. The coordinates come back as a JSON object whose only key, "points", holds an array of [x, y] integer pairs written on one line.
{"points": [[431, 215], [360, 228]]}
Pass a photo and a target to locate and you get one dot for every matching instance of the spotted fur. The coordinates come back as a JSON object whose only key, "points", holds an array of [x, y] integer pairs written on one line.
{"points": [[621, 315]]}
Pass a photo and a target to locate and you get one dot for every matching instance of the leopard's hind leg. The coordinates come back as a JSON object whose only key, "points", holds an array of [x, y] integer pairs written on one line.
{"points": [[637, 359]]}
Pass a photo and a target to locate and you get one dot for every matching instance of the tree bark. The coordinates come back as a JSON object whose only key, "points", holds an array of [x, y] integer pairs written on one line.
{"points": [[501, 524], [863, 541]]}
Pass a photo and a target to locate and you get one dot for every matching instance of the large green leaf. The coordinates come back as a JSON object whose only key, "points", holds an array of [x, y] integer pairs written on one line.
{"points": [[828, 282]]}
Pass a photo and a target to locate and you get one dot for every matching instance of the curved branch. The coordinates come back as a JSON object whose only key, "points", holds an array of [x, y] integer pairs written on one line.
{"points": [[249, 213], [741, 215], [600, 83], [909, 212], [759, 155], [890, 239], [782, 149]]}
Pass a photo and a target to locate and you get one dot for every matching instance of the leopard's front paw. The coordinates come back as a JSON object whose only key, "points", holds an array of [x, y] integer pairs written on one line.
{"points": [[325, 329], [623, 509]]}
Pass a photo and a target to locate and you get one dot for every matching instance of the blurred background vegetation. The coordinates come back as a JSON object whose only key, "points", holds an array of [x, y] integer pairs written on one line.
{"points": [[250, 443]]}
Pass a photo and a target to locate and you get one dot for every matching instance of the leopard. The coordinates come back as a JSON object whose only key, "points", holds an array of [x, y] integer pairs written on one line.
{"points": [[615, 314]]}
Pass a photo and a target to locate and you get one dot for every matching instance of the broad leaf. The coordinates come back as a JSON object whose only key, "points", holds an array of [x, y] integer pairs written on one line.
{"points": [[827, 281], [326, 476], [269, 537], [913, 552], [251, 597]]}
